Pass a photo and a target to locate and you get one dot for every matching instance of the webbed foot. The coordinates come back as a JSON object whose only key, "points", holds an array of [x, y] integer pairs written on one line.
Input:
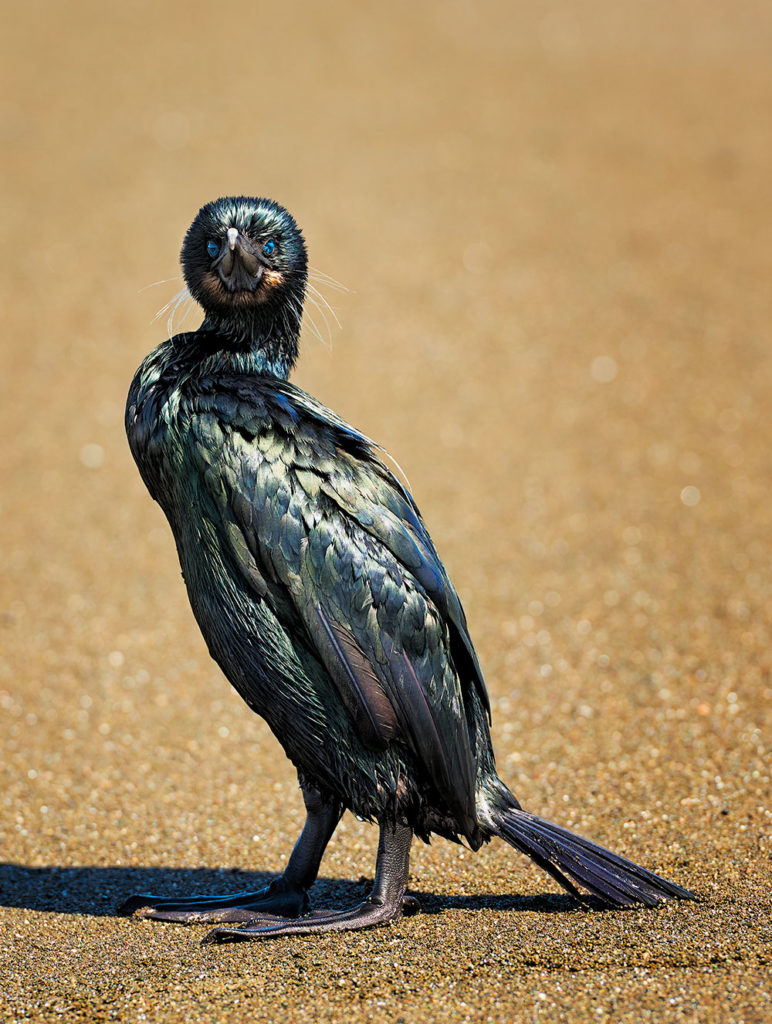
{"points": [[368, 914], [279, 900]]}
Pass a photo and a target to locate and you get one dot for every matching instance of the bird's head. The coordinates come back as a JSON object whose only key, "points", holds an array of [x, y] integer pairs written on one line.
{"points": [[244, 260]]}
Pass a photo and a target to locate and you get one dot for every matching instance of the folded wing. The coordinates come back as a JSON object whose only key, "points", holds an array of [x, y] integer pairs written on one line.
{"points": [[317, 524]]}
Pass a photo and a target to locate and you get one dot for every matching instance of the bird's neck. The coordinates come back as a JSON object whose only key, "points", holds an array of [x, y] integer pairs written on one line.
{"points": [[243, 344]]}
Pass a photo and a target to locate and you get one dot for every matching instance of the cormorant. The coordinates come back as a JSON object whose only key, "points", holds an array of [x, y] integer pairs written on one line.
{"points": [[320, 595]]}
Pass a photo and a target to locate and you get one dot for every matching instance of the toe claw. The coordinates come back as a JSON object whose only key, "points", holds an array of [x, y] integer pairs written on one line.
{"points": [[217, 936], [410, 906], [133, 904]]}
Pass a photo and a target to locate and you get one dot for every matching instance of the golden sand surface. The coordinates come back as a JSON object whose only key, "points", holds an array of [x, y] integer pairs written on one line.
{"points": [[553, 223]]}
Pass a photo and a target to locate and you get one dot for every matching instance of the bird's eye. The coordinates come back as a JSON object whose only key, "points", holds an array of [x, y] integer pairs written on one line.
{"points": [[212, 248], [269, 247]]}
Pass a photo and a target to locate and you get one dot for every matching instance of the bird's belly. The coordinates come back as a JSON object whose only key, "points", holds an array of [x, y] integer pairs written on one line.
{"points": [[241, 632], [277, 676]]}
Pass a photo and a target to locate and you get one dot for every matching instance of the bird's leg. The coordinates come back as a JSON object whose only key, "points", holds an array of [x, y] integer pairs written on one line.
{"points": [[386, 902], [285, 897]]}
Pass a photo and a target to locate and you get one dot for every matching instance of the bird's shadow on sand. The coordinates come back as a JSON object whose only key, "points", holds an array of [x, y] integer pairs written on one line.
{"points": [[98, 891]]}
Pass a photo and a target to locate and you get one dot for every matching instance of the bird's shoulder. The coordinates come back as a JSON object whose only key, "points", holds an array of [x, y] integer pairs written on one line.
{"points": [[254, 420]]}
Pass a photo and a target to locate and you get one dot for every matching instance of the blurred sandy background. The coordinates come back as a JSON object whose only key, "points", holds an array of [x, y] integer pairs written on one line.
{"points": [[553, 222]]}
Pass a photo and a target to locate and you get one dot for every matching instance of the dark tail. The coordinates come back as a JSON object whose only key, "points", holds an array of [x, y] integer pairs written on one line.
{"points": [[613, 879]]}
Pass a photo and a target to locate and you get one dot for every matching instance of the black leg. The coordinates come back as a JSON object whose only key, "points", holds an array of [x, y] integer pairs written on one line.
{"points": [[285, 897], [387, 901]]}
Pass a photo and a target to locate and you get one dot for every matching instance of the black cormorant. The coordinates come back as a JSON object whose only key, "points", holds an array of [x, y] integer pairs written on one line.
{"points": [[320, 595]]}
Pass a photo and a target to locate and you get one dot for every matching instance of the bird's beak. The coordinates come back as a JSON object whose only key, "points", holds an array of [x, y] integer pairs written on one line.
{"points": [[240, 268]]}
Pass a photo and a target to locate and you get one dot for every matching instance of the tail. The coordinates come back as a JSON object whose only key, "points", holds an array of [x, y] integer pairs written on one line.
{"points": [[613, 879]]}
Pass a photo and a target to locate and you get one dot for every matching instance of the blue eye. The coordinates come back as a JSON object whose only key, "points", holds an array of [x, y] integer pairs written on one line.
{"points": [[212, 248], [269, 247]]}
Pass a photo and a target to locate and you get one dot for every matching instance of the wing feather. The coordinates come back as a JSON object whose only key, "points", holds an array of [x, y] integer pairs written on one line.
{"points": [[355, 678]]}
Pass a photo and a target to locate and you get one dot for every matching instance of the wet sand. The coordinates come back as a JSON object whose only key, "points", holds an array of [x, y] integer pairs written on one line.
{"points": [[554, 229]]}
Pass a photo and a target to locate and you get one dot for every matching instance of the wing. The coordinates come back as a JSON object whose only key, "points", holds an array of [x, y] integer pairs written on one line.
{"points": [[373, 496], [318, 525]]}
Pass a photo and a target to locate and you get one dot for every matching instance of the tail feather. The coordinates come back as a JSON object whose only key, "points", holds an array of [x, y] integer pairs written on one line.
{"points": [[571, 859]]}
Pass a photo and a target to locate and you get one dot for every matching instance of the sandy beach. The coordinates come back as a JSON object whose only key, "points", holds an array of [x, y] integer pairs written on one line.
{"points": [[552, 224]]}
